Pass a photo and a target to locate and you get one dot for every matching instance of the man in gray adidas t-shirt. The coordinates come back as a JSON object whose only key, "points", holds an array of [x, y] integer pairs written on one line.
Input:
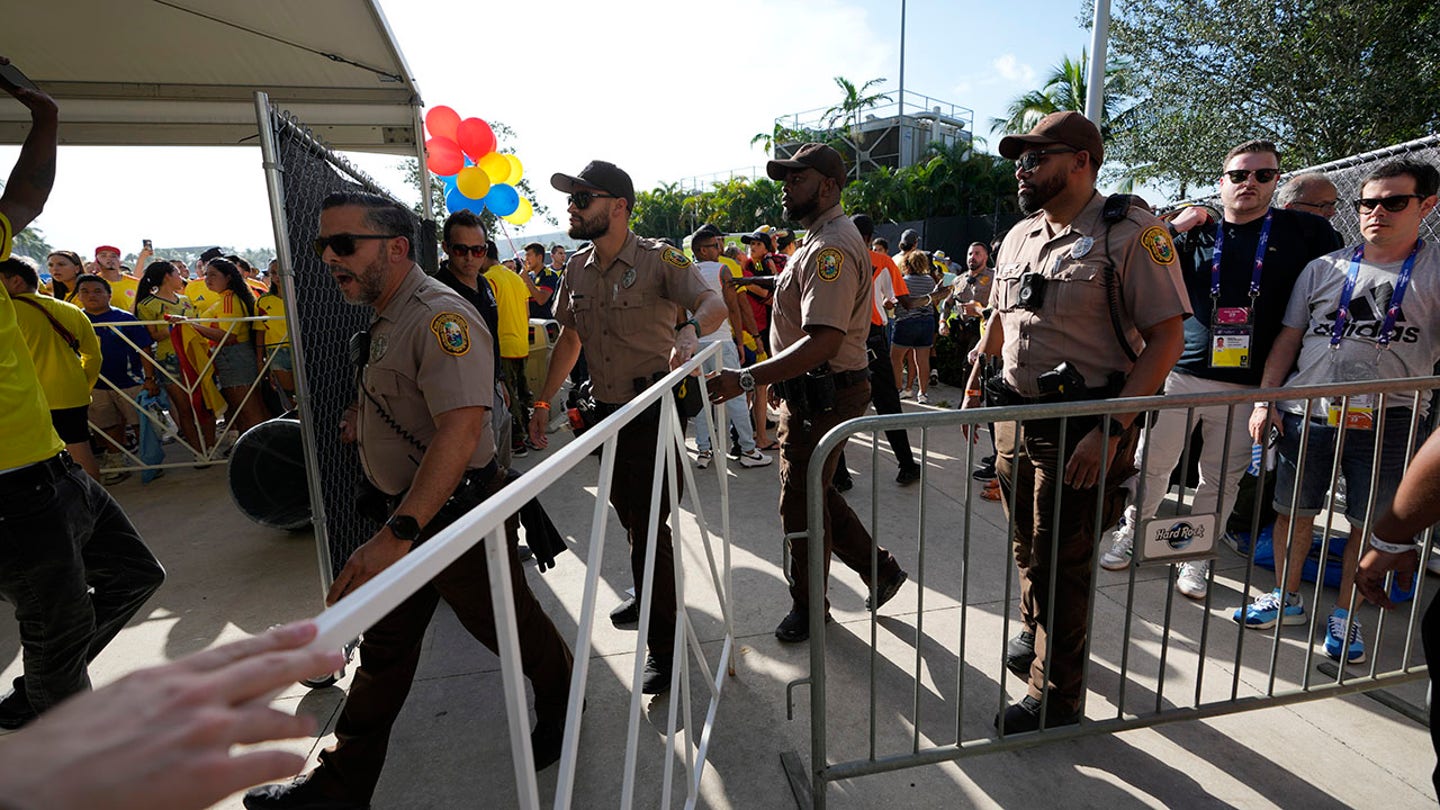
{"points": [[1367, 312]]}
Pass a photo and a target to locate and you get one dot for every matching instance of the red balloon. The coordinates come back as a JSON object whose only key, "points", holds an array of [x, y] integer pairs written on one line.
{"points": [[475, 137], [442, 122], [443, 156]]}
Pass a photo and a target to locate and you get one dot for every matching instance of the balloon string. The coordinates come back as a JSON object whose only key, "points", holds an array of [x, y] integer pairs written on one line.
{"points": [[506, 231]]}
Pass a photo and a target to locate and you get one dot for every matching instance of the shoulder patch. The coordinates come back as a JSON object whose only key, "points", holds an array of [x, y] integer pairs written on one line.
{"points": [[673, 256], [828, 263], [1156, 241], [452, 332]]}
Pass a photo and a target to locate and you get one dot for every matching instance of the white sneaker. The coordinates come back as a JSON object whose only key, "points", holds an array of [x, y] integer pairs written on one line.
{"points": [[922, 399], [1122, 542], [754, 458], [1192, 579], [905, 393], [703, 459]]}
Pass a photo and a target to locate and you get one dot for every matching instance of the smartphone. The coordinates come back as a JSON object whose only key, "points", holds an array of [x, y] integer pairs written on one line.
{"points": [[146, 243], [12, 76]]}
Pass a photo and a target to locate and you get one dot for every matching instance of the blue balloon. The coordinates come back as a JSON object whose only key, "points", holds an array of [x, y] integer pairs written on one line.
{"points": [[503, 200], [447, 181], [456, 201]]}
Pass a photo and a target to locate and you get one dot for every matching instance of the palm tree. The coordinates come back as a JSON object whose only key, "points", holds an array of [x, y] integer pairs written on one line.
{"points": [[1065, 88], [854, 102]]}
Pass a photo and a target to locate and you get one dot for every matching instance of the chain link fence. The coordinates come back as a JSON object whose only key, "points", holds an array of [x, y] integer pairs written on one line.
{"points": [[1348, 173], [324, 322]]}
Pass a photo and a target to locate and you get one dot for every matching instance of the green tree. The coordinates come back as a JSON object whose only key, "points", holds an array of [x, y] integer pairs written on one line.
{"points": [[1322, 80], [853, 102], [31, 242], [1065, 88]]}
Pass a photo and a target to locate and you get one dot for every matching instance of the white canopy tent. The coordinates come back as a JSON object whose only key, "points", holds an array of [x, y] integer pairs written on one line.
{"points": [[184, 72]]}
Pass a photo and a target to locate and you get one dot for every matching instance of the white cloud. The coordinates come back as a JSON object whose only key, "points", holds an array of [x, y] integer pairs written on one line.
{"points": [[1012, 69]]}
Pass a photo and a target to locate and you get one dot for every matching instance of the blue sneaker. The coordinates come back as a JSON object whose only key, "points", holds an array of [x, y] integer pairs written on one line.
{"points": [[1267, 608], [1335, 638]]}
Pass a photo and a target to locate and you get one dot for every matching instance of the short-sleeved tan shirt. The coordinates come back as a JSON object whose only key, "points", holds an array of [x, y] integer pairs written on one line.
{"points": [[1073, 322], [626, 313], [429, 353], [827, 282]]}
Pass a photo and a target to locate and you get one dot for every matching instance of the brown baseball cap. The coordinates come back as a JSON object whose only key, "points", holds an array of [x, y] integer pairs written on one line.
{"points": [[600, 175], [1068, 128], [817, 156]]}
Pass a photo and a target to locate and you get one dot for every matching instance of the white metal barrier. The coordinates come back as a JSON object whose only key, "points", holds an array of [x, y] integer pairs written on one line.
{"points": [[363, 607], [205, 453]]}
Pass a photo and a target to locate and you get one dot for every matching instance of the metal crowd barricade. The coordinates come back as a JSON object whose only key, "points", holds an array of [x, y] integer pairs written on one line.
{"points": [[205, 454], [363, 607], [964, 737]]}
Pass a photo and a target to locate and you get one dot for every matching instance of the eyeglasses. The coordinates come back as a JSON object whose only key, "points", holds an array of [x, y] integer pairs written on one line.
{"points": [[1030, 161], [1324, 205], [708, 245], [344, 244], [1394, 203], [582, 199], [1238, 176], [460, 251]]}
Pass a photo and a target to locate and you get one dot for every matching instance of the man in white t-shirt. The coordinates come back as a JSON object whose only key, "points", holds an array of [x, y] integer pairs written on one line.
{"points": [[1366, 312], [706, 243]]}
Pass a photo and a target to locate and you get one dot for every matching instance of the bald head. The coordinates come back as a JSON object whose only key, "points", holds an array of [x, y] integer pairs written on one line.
{"points": [[1311, 192]]}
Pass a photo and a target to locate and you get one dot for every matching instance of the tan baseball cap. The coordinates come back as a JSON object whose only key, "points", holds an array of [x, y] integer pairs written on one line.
{"points": [[1068, 128]]}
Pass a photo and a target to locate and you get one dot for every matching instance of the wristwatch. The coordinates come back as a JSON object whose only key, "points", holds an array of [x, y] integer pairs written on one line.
{"points": [[1114, 428], [403, 527], [747, 380]]}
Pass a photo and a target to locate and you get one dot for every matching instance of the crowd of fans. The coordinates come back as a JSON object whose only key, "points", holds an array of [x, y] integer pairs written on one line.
{"points": [[189, 339]]}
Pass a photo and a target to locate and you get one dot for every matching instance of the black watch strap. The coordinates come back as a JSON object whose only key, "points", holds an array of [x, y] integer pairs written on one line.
{"points": [[1114, 428]]}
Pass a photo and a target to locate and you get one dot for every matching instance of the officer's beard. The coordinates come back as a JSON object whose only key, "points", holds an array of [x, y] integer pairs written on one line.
{"points": [[371, 282], [591, 229], [802, 210], [1035, 199]]}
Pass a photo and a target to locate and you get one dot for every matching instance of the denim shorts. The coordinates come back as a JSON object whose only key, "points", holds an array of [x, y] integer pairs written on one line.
{"points": [[1355, 465], [280, 358], [235, 366], [171, 363], [915, 333]]}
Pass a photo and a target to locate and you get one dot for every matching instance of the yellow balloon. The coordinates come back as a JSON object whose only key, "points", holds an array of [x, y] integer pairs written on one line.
{"points": [[495, 166], [516, 169], [522, 214], [472, 182]]}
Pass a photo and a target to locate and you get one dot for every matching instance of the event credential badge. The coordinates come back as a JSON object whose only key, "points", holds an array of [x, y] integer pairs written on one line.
{"points": [[1232, 330]]}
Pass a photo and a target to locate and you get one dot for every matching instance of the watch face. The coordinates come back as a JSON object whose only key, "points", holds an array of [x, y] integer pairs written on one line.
{"points": [[404, 527]]}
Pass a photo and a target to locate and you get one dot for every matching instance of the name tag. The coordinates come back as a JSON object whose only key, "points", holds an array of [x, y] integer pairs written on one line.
{"points": [[1359, 414], [1230, 347]]}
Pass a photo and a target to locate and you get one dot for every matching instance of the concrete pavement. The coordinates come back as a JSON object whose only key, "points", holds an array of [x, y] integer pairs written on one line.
{"points": [[229, 578]]}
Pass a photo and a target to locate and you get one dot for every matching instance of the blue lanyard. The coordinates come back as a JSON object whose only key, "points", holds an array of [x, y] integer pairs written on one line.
{"points": [[1259, 258], [1396, 298]]}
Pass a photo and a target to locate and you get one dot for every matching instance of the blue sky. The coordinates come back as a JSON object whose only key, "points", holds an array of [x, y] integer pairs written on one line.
{"points": [[664, 89]]}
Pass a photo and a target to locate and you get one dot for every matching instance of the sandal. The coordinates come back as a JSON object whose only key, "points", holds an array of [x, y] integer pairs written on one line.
{"points": [[773, 445]]}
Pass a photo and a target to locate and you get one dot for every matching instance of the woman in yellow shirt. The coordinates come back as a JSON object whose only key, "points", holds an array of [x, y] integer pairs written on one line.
{"points": [[158, 299], [236, 356], [65, 266]]}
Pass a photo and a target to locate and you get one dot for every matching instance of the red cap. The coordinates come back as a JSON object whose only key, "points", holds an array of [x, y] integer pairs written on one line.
{"points": [[110, 248]]}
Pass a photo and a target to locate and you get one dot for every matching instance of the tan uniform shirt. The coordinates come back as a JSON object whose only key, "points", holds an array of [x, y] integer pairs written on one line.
{"points": [[626, 313], [975, 287], [429, 353], [827, 282], [1073, 322]]}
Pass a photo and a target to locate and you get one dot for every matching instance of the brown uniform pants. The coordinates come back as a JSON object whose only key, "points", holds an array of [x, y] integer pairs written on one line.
{"points": [[845, 536], [630, 495], [390, 651], [1028, 461]]}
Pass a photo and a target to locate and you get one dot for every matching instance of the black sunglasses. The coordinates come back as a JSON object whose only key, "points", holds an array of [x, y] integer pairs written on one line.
{"points": [[1030, 161], [1394, 203], [344, 244], [461, 251], [582, 199], [1238, 176]]}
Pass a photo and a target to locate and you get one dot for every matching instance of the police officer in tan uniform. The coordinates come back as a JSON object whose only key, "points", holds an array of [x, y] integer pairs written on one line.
{"points": [[625, 299], [819, 367], [423, 427], [1053, 329]]}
